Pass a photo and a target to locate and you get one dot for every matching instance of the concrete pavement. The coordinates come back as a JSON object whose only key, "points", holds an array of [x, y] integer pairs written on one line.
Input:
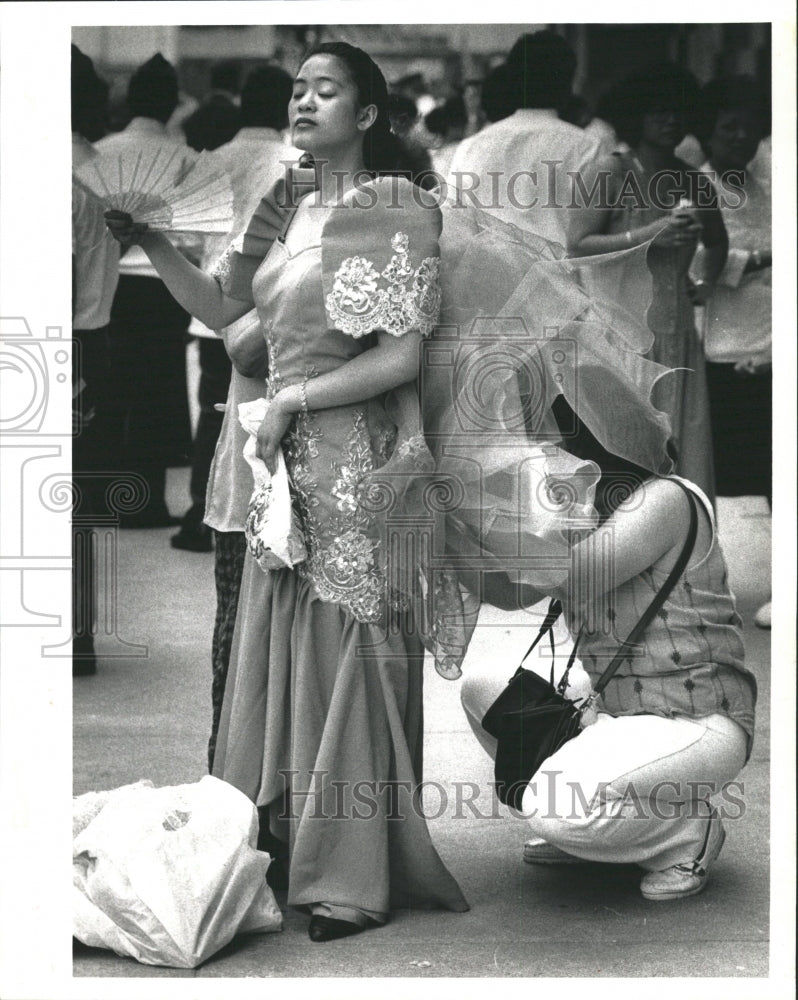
{"points": [[148, 718]]}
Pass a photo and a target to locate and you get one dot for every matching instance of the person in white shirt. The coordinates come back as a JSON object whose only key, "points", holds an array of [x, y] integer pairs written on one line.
{"points": [[522, 168], [738, 319], [148, 327], [95, 273]]}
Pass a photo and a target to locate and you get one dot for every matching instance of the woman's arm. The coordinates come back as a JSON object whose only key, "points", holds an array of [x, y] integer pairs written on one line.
{"points": [[588, 238], [588, 234], [651, 524], [197, 292], [246, 347], [709, 263], [391, 362]]}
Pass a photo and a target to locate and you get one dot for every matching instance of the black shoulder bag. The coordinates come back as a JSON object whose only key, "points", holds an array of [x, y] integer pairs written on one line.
{"points": [[531, 719]]}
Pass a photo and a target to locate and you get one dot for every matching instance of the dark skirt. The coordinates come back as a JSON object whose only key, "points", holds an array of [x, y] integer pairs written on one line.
{"points": [[742, 430]]}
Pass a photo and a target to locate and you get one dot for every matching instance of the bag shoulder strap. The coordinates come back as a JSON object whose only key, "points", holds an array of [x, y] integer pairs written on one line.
{"points": [[659, 599], [546, 628]]}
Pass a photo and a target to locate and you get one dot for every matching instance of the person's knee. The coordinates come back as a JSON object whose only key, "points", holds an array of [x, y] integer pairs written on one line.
{"points": [[472, 696]]}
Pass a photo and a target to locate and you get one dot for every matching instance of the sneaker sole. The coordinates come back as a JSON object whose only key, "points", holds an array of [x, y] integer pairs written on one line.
{"points": [[656, 897], [664, 897]]}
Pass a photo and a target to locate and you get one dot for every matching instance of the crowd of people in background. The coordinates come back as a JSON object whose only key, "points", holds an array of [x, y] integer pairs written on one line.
{"points": [[521, 134]]}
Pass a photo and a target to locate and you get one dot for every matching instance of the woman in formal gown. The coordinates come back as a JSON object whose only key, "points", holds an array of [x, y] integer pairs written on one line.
{"points": [[650, 196], [322, 720]]}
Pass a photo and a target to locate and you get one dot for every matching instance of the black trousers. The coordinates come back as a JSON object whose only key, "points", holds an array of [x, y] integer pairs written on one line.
{"points": [[92, 459], [148, 337], [741, 408]]}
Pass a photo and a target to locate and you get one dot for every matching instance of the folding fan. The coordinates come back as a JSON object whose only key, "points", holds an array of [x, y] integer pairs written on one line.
{"points": [[169, 188]]}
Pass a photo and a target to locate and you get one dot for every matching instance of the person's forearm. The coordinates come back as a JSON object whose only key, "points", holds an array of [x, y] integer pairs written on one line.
{"points": [[712, 262], [592, 244], [635, 537], [247, 349], [391, 363], [197, 292], [759, 260]]}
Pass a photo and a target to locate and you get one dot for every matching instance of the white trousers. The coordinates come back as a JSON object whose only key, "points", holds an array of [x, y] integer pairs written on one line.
{"points": [[633, 789]]}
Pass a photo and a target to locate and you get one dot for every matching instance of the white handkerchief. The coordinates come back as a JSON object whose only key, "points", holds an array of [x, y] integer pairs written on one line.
{"points": [[272, 528]]}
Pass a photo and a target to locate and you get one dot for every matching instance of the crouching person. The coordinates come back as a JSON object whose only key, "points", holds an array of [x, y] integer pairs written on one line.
{"points": [[674, 725]]}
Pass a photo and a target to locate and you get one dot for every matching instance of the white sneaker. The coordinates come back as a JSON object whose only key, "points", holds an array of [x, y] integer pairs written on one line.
{"points": [[680, 881], [539, 852], [762, 617]]}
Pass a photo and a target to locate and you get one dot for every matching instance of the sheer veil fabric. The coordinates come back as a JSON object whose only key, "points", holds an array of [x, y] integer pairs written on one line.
{"points": [[480, 478], [521, 324]]}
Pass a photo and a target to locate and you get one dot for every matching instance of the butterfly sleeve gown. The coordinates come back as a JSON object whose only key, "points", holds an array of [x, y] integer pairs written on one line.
{"points": [[322, 717]]}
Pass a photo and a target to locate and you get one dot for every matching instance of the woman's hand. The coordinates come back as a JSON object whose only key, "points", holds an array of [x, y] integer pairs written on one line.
{"points": [[752, 367], [680, 230], [700, 291], [124, 229], [759, 260], [272, 431]]}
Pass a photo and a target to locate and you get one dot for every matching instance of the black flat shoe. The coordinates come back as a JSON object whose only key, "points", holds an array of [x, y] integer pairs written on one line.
{"points": [[328, 929]]}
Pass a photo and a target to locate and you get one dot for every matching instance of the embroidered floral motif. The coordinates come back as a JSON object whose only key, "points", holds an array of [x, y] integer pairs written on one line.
{"points": [[257, 516], [355, 285], [358, 304], [342, 563], [386, 442], [220, 271], [349, 485], [414, 448], [345, 573], [275, 380]]}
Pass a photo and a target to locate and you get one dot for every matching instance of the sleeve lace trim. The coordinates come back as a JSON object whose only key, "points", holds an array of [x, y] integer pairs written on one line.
{"points": [[220, 271], [396, 300]]}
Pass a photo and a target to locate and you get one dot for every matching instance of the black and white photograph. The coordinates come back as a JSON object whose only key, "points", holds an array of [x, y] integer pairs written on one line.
{"points": [[403, 458]]}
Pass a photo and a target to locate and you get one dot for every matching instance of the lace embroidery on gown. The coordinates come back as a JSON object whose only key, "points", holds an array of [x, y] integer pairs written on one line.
{"points": [[343, 564], [397, 299]]}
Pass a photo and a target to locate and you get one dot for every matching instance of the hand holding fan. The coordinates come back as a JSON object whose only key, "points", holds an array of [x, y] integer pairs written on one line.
{"points": [[168, 189]]}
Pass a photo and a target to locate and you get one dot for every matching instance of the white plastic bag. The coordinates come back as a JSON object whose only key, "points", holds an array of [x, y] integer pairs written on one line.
{"points": [[169, 875], [272, 529]]}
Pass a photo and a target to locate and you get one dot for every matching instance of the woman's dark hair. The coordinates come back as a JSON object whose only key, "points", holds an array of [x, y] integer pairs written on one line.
{"points": [[619, 477], [153, 91], [661, 88], [498, 99], [89, 98], [541, 69], [383, 152], [730, 94], [226, 75], [450, 114], [265, 97], [402, 113]]}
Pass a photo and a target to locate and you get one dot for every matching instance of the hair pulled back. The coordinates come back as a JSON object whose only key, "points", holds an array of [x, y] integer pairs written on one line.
{"points": [[619, 477], [383, 152]]}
